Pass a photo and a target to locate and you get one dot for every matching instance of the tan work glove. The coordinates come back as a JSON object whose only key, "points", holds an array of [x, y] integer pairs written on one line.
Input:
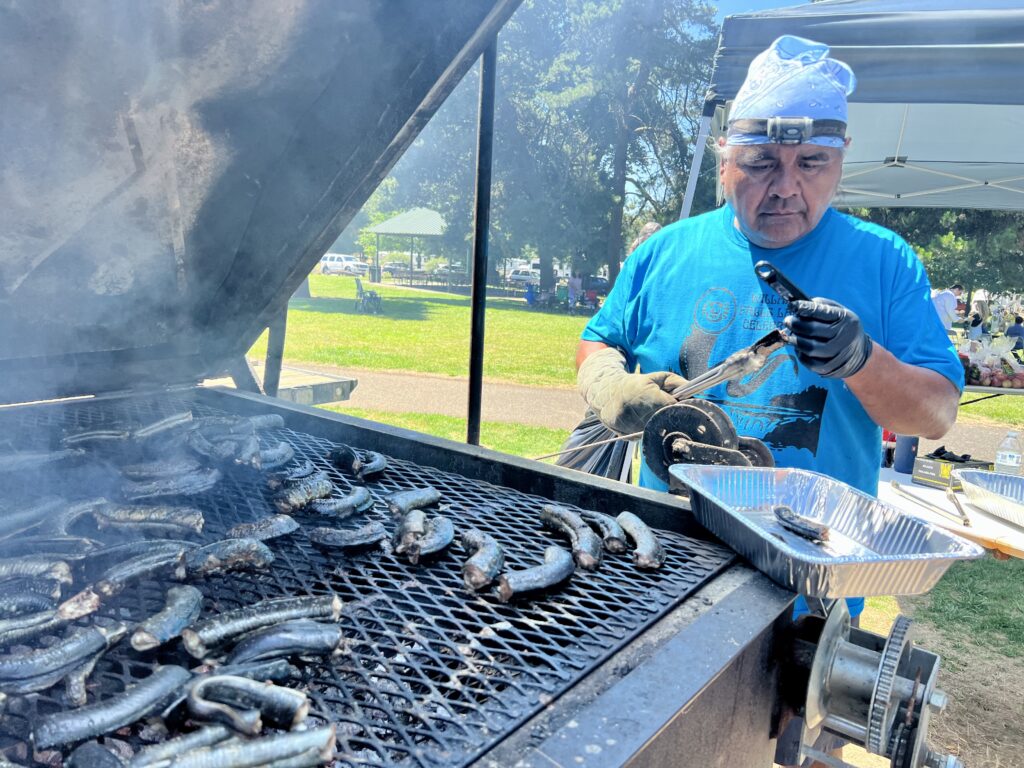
{"points": [[623, 401]]}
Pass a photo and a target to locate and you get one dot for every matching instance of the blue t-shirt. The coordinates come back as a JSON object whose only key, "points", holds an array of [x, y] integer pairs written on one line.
{"points": [[688, 298]]}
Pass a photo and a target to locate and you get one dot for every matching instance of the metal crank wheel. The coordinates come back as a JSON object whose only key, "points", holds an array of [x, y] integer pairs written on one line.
{"points": [[692, 432]]}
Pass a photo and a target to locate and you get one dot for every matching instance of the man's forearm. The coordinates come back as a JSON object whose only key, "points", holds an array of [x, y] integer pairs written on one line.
{"points": [[905, 398], [585, 349]]}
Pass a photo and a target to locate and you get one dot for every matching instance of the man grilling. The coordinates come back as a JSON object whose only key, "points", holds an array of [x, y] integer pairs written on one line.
{"points": [[868, 351]]}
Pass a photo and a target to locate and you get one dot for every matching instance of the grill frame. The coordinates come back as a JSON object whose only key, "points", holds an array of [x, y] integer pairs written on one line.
{"points": [[739, 605]]}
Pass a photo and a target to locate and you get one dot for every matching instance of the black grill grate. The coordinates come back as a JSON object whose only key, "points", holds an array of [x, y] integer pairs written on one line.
{"points": [[433, 675]]}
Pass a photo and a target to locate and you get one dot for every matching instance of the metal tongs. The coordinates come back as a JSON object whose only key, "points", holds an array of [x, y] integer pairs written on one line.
{"points": [[735, 366], [960, 516]]}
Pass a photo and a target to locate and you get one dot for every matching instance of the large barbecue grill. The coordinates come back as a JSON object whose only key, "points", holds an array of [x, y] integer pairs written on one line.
{"points": [[170, 176]]}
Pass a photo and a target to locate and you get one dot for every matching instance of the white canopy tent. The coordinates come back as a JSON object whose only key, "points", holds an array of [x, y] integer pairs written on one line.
{"points": [[937, 119]]}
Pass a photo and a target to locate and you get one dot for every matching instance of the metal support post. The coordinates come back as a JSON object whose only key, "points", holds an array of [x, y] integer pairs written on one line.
{"points": [[481, 227], [275, 353]]}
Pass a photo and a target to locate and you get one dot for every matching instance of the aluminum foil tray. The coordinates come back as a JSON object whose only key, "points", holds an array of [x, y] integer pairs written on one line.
{"points": [[873, 548], [997, 493]]}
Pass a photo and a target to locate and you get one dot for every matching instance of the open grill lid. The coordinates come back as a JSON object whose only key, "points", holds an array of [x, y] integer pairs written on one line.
{"points": [[172, 172]]}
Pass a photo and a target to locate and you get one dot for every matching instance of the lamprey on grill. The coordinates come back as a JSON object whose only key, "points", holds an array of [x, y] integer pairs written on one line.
{"points": [[110, 556], [91, 755], [276, 456], [439, 535], [95, 437], [14, 521], [349, 461], [245, 721], [228, 555], [586, 545], [278, 480], [299, 637], [648, 552], [79, 605], [161, 516], [67, 548], [156, 754], [189, 484], [134, 703], [39, 669], [183, 606], [557, 567], [409, 531], [348, 538], [358, 500], [485, 562], [29, 626], [17, 604], [265, 528], [280, 706], [60, 523], [36, 567], [165, 424], [209, 633], [117, 577], [401, 502], [801, 525], [295, 496], [612, 535], [169, 467], [300, 748]]}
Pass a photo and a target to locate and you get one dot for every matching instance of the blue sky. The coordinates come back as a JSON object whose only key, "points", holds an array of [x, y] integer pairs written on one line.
{"points": [[731, 7]]}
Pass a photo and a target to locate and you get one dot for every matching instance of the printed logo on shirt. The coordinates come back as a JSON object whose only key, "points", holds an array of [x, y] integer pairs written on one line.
{"points": [[715, 310]]}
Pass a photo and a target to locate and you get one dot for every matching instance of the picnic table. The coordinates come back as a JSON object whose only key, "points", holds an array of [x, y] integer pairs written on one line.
{"points": [[989, 392]]}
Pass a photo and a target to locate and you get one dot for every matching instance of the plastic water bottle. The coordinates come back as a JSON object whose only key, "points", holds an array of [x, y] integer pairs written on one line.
{"points": [[1008, 455]]}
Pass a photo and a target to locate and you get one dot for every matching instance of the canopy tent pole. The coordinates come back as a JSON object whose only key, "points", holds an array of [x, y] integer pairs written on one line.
{"points": [[698, 157], [481, 227]]}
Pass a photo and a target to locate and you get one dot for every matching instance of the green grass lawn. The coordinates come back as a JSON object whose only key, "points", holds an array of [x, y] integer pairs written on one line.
{"points": [[1005, 409], [428, 332], [516, 439]]}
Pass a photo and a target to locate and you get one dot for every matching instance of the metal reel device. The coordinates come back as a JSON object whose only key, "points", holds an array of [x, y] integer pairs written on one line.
{"points": [[876, 692], [698, 432]]}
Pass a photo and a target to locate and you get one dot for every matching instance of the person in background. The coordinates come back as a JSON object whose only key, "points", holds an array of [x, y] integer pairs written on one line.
{"points": [[974, 327], [1017, 331], [945, 304], [575, 288], [867, 351]]}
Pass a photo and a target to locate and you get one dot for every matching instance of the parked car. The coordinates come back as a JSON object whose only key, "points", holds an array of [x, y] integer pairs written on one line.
{"points": [[524, 277], [599, 285], [342, 264], [394, 268]]}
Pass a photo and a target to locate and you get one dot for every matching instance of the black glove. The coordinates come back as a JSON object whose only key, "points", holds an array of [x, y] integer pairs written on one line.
{"points": [[829, 338]]}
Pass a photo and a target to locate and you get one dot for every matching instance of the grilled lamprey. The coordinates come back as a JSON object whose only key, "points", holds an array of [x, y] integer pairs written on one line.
{"points": [[211, 632], [177, 485], [276, 456], [228, 555], [246, 721], [29, 626], [648, 553], [295, 496], [173, 421], [358, 500], [183, 607], [14, 521], [92, 755], [285, 750], [140, 516], [558, 566], [39, 669], [166, 750], [801, 525], [612, 535], [35, 566], [346, 459], [586, 546], [69, 548], [26, 461], [278, 480], [299, 637], [117, 577], [280, 706], [118, 553], [169, 467], [439, 535], [95, 437], [409, 531], [485, 562], [403, 502], [77, 606], [134, 703], [265, 529], [19, 603], [348, 538]]}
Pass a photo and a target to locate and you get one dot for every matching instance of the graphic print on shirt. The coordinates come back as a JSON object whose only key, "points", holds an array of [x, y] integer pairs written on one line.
{"points": [[771, 404]]}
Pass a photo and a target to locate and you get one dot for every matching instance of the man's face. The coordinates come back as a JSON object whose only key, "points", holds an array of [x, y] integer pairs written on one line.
{"points": [[780, 192]]}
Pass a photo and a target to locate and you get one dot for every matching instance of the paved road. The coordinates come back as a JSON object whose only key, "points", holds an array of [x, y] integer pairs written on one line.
{"points": [[561, 408]]}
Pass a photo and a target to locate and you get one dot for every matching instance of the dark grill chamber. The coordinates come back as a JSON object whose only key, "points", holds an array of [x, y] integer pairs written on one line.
{"points": [[433, 675]]}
